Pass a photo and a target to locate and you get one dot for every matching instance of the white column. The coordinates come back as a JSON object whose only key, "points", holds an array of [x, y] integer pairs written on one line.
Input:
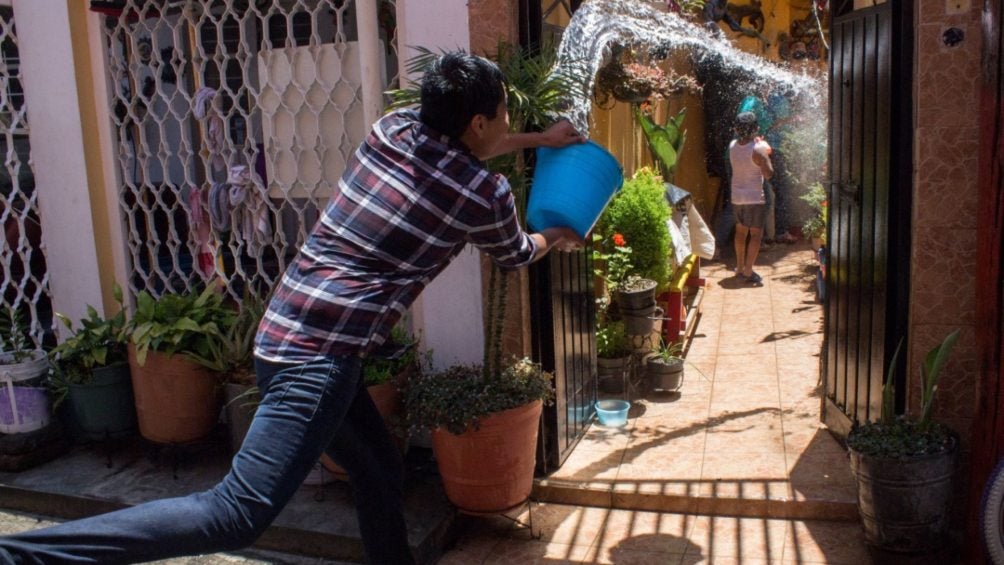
{"points": [[57, 153], [369, 60], [448, 314]]}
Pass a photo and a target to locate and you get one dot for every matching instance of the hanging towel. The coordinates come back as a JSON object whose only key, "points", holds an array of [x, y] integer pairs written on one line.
{"points": [[201, 232], [205, 107], [219, 207], [246, 195]]}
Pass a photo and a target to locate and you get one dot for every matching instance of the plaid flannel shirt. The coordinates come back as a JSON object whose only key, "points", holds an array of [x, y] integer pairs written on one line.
{"points": [[410, 199]]}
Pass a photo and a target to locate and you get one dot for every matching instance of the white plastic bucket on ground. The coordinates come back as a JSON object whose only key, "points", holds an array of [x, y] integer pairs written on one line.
{"points": [[571, 186], [24, 400]]}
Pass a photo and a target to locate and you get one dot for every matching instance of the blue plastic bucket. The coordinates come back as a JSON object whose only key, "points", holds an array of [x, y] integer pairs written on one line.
{"points": [[571, 186], [612, 413]]}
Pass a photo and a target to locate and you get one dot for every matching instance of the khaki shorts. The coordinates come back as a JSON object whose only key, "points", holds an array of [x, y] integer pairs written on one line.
{"points": [[751, 215]]}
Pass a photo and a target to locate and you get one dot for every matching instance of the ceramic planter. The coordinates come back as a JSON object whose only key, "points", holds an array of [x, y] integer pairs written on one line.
{"points": [[177, 400], [641, 297], [664, 375], [103, 408], [610, 373], [905, 503], [490, 470], [388, 401]]}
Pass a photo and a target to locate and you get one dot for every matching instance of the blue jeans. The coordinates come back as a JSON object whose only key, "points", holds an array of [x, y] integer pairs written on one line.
{"points": [[304, 408]]}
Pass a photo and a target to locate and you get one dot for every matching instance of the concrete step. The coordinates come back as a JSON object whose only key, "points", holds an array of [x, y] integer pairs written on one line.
{"points": [[320, 521], [721, 498]]}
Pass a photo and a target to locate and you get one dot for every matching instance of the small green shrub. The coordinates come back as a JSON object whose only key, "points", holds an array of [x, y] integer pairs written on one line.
{"points": [[639, 212], [899, 437], [458, 397], [99, 342]]}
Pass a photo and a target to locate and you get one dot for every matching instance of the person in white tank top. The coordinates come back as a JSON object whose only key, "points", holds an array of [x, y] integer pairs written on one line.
{"points": [[750, 159]]}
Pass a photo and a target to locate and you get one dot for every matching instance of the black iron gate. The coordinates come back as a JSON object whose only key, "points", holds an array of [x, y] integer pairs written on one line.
{"points": [[869, 206]]}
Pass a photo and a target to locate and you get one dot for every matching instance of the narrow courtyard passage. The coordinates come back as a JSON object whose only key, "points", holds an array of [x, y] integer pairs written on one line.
{"points": [[734, 468]]}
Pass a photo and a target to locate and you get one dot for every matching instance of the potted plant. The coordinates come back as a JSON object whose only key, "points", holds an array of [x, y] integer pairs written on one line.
{"points": [[233, 358], [24, 399], [814, 228], [665, 367], [639, 212], [175, 365], [484, 430], [613, 354], [904, 465], [91, 372], [385, 379], [634, 78]]}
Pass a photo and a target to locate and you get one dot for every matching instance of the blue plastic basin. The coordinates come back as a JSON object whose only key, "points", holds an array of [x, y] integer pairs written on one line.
{"points": [[571, 186], [612, 412]]}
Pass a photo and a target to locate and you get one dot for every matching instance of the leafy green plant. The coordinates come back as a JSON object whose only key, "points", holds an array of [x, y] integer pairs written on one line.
{"points": [[99, 342], [899, 437], [611, 339], [378, 371], [191, 324], [639, 212], [668, 352], [458, 398], [665, 142], [233, 353], [815, 226], [14, 340], [611, 259]]}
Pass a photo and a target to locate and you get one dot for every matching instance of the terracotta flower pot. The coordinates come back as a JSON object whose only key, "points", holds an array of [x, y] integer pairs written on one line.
{"points": [[490, 469], [177, 400], [387, 398]]}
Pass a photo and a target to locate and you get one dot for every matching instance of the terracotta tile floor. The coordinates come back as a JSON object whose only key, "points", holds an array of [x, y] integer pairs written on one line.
{"points": [[736, 466]]}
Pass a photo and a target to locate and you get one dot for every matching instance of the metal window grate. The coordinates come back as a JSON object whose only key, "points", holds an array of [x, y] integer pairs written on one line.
{"points": [[25, 282], [233, 121]]}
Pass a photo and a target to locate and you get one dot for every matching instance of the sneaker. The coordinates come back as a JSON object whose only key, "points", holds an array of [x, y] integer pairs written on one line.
{"points": [[754, 279]]}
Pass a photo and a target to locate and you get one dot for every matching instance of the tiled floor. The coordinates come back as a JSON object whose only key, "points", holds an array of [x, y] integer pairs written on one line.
{"points": [[727, 459]]}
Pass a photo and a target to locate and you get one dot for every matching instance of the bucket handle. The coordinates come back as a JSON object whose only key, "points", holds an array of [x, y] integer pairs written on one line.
{"points": [[8, 379]]}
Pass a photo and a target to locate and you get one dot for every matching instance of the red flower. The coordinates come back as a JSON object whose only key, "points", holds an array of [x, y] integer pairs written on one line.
{"points": [[619, 240]]}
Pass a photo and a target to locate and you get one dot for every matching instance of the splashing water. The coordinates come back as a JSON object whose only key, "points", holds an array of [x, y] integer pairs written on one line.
{"points": [[599, 25]]}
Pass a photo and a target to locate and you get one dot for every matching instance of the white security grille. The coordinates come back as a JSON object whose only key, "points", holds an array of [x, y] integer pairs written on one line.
{"points": [[25, 283], [234, 120]]}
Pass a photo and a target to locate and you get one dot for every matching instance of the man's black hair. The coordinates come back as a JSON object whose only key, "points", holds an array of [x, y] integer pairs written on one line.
{"points": [[457, 88], [746, 125]]}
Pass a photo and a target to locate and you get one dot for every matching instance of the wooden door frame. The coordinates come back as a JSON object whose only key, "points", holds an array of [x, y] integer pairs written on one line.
{"points": [[988, 424]]}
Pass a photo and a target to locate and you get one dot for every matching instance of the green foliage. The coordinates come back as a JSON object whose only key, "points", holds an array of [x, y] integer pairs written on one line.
{"points": [[194, 325], [900, 437], [611, 259], [100, 342], [665, 142], [639, 212], [611, 339], [378, 371], [815, 226], [233, 354], [14, 340], [458, 398], [668, 351]]}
